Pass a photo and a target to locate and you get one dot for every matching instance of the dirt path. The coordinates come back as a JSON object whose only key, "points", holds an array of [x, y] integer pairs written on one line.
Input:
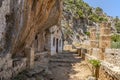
{"points": [[68, 67], [64, 66]]}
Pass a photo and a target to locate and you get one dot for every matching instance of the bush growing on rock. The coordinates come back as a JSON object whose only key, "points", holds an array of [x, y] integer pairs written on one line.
{"points": [[95, 65]]}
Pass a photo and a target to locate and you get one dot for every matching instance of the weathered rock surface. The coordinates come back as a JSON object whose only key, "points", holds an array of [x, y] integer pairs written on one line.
{"points": [[21, 20], [70, 65]]}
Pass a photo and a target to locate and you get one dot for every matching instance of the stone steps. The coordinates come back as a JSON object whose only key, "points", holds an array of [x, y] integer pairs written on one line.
{"points": [[66, 60], [56, 64], [36, 70], [40, 66], [68, 54], [61, 59], [65, 57]]}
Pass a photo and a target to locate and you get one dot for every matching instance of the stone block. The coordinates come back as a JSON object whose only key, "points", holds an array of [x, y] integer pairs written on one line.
{"points": [[93, 36], [67, 47], [105, 44], [102, 53], [30, 57], [8, 56], [79, 51], [93, 29], [9, 63], [94, 43], [95, 53], [105, 25], [105, 31], [90, 51], [105, 37]]}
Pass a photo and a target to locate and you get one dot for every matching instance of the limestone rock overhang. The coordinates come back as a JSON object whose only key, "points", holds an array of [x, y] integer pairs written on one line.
{"points": [[38, 15]]}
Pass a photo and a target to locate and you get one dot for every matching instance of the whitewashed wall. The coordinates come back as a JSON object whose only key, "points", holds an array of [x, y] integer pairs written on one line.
{"points": [[57, 34], [53, 48]]}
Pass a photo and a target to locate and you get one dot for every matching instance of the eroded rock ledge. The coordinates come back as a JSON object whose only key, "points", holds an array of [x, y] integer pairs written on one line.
{"points": [[24, 19], [20, 22]]}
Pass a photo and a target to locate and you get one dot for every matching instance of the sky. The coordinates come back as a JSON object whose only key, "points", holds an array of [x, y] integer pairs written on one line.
{"points": [[111, 7]]}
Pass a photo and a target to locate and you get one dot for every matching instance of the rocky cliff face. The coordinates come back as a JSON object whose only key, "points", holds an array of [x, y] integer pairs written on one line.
{"points": [[78, 17], [21, 20], [73, 25]]}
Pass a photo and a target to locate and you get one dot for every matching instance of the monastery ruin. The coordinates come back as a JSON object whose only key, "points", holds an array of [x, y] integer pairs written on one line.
{"points": [[31, 34]]}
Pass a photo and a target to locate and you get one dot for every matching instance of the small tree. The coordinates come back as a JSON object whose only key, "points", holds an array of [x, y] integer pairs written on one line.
{"points": [[87, 33], [96, 65]]}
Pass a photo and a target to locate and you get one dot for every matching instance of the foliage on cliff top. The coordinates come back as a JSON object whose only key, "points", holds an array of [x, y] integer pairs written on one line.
{"points": [[116, 38], [80, 9], [117, 24], [115, 41]]}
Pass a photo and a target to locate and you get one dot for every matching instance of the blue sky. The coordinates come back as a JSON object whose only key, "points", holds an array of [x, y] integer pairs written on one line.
{"points": [[111, 7]]}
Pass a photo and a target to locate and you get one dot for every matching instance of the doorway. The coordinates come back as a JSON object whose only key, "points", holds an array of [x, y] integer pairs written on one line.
{"points": [[56, 45]]}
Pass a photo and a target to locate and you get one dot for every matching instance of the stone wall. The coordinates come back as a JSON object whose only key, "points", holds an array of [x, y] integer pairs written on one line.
{"points": [[18, 66], [107, 70], [56, 41], [5, 67], [93, 38], [95, 53], [49, 40], [11, 67], [110, 58], [113, 56], [105, 38], [42, 59], [67, 47]]}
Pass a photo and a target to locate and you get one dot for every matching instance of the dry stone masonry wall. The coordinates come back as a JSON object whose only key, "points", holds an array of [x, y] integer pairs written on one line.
{"points": [[107, 70], [113, 56], [9, 67], [110, 62]]}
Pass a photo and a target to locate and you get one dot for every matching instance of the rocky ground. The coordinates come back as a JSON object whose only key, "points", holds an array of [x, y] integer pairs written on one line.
{"points": [[64, 66], [68, 66]]}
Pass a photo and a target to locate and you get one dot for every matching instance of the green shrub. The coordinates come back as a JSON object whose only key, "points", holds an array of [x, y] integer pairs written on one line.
{"points": [[95, 63], [115, 38], [87, 33], [115, 45], [117, 25]]}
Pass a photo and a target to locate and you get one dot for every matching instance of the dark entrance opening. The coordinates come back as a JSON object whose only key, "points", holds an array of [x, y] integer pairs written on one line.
{"points": [[36, 43], [57, 45]]}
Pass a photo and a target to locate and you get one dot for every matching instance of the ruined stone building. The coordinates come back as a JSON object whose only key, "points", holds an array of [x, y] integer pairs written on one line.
{"points": [[52, 39], [100, 49], [56, 40], [23, 23]]}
